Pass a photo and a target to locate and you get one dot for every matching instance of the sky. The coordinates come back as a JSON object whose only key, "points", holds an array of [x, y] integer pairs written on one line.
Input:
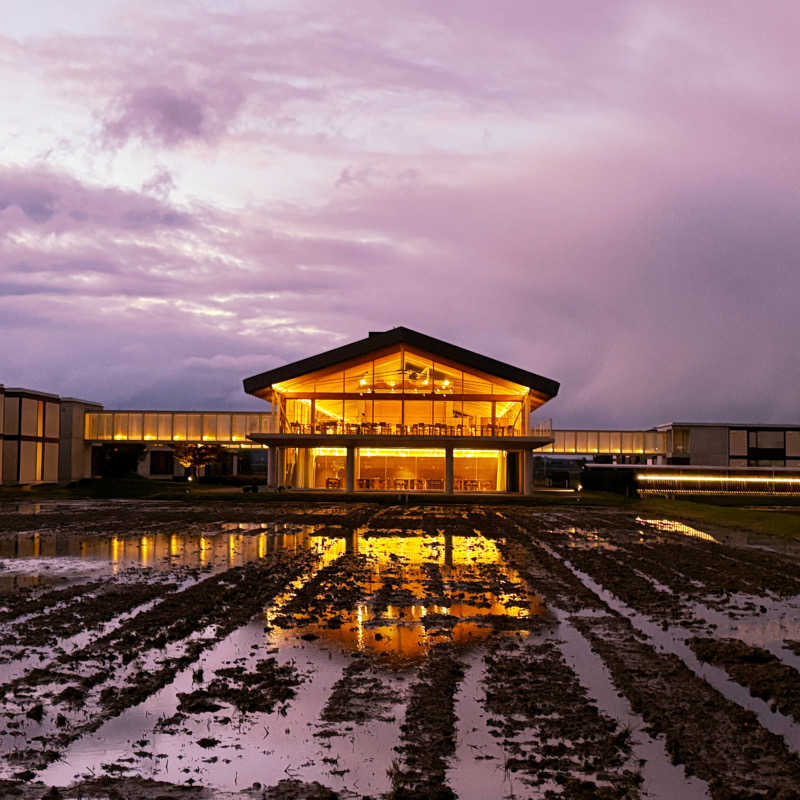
{"points": [[606, 194]]}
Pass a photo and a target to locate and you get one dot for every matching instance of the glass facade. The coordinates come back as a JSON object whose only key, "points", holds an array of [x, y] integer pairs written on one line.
{"points": [[394, 469], [402, 393], [607, 443], [159, 426]]}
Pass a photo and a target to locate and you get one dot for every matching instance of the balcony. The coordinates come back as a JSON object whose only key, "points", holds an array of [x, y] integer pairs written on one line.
{"points": [[433, 430]]}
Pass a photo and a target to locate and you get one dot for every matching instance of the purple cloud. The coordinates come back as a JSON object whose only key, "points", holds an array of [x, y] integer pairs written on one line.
{"points": [[168, 117], [605, 195]]}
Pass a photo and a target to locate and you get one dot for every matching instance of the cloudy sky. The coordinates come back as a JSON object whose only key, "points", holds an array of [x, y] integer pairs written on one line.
{"points": [[604, 193]]}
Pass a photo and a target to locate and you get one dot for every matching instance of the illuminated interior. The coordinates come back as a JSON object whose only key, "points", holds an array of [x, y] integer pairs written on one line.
{"points": [[403, 392], [607, 442], [173, 426], [395, 469]]}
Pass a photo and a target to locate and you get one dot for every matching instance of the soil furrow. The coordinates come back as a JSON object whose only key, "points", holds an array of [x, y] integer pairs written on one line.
{"points": [[219, 604], [713, 737], [429, 729], [763, 673], [553, 734]]}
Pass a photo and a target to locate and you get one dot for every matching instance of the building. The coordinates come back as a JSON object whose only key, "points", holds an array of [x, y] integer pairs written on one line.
{"points": [[398, 411], [402, 411], [732, 445], [30, 435]]}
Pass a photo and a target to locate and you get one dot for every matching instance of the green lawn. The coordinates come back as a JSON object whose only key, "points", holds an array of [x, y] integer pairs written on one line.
{"points": [[784, 524]]}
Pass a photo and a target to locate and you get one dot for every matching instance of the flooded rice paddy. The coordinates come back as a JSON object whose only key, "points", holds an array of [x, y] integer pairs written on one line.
{"points": [[320, 651]]}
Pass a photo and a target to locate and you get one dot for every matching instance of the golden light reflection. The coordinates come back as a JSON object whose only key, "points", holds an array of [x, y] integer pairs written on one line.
{"points": [[115, 554], [407, 631], [671, 526], [146, 550], [475, 582], [205, 550]]}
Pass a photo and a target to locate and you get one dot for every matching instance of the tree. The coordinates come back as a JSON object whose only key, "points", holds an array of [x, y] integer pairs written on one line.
{"points": [[194, 456]]}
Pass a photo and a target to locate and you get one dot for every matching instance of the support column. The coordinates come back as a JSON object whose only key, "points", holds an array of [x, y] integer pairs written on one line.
{"points": [[527, 472], [235, 464], [350, 469], [448, 470], [274, 467]]}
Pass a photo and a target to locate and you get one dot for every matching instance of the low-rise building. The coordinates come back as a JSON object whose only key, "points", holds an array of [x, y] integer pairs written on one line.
{"points": [[397, 411]]}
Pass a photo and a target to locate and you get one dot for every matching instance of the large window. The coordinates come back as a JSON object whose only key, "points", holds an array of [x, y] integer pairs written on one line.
{"points": [[479, 470], [397, 469], [431, 398], [137, 426]]}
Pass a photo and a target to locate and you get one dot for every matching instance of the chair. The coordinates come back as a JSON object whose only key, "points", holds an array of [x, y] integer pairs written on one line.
{"points": [[332, 483]]}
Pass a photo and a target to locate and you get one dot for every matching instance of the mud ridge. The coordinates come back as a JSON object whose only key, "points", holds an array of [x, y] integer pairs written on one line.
{"points": [[763, 673], [553, 733], [429, 729], [713, 737]]}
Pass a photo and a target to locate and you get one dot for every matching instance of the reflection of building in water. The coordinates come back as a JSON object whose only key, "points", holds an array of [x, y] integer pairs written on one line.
{"points": [[408, 630], [222, 547], [416, 614]]}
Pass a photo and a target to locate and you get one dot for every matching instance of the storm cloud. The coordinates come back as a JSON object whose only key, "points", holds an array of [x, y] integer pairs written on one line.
{"points": [[607, 195]]}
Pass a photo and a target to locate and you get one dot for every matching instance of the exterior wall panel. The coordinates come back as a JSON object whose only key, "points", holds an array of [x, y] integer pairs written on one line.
{"points": [[708, 446], [27, 462]]}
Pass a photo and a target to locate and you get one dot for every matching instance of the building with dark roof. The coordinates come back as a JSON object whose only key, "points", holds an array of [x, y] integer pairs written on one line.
{"points": [[402, 411]]}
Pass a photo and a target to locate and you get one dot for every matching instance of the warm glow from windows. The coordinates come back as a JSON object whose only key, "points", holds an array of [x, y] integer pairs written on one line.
{"points": [[396, 452], [476, 453], [330, 451]]}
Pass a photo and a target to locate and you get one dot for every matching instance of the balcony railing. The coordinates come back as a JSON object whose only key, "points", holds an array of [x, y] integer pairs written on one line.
{"points": [[340, 428]]}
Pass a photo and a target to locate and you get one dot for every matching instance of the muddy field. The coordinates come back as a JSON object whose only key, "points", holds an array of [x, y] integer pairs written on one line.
{"points": [[163, 650]]}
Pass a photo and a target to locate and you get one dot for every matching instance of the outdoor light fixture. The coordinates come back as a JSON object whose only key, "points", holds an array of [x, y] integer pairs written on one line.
{"points": [[716, 478]]}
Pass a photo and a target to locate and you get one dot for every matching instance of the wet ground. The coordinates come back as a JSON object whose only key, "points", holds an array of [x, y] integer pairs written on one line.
{"points": [[167, 650]]}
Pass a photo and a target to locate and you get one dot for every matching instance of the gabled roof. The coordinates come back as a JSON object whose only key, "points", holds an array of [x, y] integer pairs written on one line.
{"points": [[378, 340]]}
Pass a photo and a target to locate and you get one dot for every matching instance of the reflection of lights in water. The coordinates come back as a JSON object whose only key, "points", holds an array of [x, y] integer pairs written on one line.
{"points": [[361, 612], [145, 550], [398, 631], [406, 558], [205, 547], [115, 554], [672, 526]]}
